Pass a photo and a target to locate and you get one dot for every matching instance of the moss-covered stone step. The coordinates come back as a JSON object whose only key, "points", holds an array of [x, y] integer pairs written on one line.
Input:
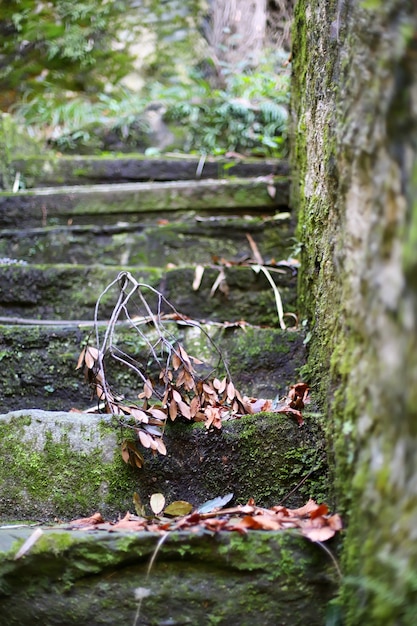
{"points": [[81, 170], [76, 578], [59, 465], [107, 203], [70, 292], [196, 239], [38, 362]]}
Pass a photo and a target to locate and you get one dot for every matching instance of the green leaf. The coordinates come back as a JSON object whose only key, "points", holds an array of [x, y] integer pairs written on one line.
{"points": [[178, 508]]}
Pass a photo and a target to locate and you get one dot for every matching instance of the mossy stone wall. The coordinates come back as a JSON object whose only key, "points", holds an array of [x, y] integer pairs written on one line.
{"points": [[354, 163]]}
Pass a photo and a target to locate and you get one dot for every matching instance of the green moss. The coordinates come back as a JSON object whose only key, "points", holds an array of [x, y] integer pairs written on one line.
{"points": [[257, 579], [57, 479]]}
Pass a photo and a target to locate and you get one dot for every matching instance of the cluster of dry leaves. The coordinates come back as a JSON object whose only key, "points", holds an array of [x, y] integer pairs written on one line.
{"points": [[180, 391], [312, 520]]}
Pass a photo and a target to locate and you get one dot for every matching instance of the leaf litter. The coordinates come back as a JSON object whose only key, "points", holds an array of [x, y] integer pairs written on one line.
{"points": [[312, 520]]}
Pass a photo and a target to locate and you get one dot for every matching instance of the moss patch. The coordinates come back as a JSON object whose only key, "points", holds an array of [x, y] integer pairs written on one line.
{"points": [[258, 579]]}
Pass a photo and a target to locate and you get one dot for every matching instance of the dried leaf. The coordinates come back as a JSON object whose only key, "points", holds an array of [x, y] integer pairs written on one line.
{"points": [[198, 276], [91, 356], [184, 354], [194, 406], [230, 391], [322, 509], [80, 361], [272, 191], [139, 415], [144, 439], [208, 389], [173, 410], [139, 507], [152, 430], [148, 389], [160, 446], [131, 455], [215, 504], [177, 508], [176, 395], [184, 409], [94, 520], [255, 251], [221, 278], [158, 414], [176, 361], [318, 534], [157, 503], [29, 543]]}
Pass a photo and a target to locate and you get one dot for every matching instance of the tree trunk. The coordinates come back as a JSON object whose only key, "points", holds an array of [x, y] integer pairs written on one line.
{"points": [[237, 32], [354, 160]]}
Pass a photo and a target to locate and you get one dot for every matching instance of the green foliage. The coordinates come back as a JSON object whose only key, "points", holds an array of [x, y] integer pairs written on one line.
{"points": [[60, 45], [76, 121], [249, 115]]}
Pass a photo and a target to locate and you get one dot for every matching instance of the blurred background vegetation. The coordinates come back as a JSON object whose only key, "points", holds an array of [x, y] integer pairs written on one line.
{"points": [[144, 75]]}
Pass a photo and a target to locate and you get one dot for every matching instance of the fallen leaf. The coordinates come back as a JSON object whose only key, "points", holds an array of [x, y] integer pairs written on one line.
{"points": [[178, 508], [216, 503], [29, 543], [198, 276], [157, 503], [94, 520]]}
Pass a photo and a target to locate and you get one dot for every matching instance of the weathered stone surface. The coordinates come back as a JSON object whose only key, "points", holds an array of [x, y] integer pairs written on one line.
{"points": [[68, 578], [86, 203], [52, 171], [194, 239], [355, 170], [69, 292], [66, 465], [38, 362]]}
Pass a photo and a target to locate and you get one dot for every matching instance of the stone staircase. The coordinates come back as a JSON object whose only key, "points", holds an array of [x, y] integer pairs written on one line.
{"points": [[78, 223]]}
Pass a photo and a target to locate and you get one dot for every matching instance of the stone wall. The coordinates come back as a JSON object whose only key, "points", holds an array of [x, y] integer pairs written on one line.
{"points": [[355, 184]]}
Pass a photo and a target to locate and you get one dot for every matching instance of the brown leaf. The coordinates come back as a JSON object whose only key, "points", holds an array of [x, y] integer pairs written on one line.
{"points": [[322, 509], [230, 391], [160, 446], [80, 361], [305, 510], [318, 534], [255, 251], [157, 413], [148, 389], [176, 361], [208, 388], [91, 356], [194, 406], [173, 410], [87, 521], [184, 409], [131, 455], [139, 415], [184, 355], [144, 439]]}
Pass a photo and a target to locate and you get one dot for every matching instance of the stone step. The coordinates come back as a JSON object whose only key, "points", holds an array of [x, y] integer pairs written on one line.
{"points": [[70, 292], [38, 361], [76, 577], [108, 204], [87, 170], [196, 240], [58, 465]]}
